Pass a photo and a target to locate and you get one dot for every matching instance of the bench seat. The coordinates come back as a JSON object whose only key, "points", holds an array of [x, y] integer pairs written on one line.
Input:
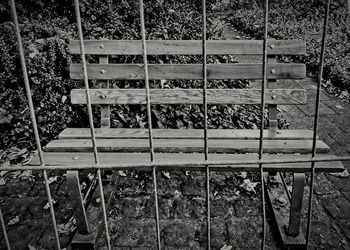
{"points": [[230, 134], [85, 158]]}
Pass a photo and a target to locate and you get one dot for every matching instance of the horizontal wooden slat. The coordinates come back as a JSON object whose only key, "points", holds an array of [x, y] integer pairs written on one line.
{"points": [[78, 158], [186, 145], [189, 96], [188, 71], [189, 47], [230, 134]]}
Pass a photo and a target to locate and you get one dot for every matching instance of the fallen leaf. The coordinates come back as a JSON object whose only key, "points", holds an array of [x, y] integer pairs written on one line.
{"points": [[122, 173], [30, 247], [243, 175], [166, 174], [91, 176], [64, 98], [226, 247], [52, 179], [2, 181], [177, 194], [48, 205], [13, 221], [339, 106], [343, 174], [248, 185], [2, 173]]}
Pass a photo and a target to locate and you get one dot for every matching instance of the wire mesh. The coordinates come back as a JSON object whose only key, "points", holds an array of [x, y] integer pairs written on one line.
{"points": [[91, 122], [149, 118], [318, 95], [262, 109], [4, 232], [33, 119], [153, 165], [205, 106]]}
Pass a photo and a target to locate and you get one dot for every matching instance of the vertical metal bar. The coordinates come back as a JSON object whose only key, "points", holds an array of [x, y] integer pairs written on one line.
{"points": [[318, 95], [32, 116], [7, 243], [205, 104], [261, 139], [149, 118], [91, 122]]}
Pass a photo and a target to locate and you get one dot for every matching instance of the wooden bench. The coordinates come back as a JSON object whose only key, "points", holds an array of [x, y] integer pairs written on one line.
{"points": [[130, 146]]}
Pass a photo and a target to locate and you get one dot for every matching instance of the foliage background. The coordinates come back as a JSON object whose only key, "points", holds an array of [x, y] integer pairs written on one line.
{"points": [[302, 20]]}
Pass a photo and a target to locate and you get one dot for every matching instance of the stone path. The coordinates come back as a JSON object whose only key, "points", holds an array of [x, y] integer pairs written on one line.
{"points": [[331, 227]]}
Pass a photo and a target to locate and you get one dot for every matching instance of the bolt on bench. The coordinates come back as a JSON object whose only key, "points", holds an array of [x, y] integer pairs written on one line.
{"points": [[130, 146]]}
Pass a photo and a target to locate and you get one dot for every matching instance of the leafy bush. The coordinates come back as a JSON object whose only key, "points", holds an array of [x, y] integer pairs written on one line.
{"points": [[301, 20]]}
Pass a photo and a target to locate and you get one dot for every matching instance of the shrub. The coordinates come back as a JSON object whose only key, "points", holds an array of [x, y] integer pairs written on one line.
{"points": [[301, 20]]}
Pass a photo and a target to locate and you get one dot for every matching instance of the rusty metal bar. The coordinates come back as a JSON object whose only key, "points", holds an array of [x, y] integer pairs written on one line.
{"points": [[91, 122], [262, 108], [3, 227], [33, 119], [205, 104], [318, 95], [149, 118]]}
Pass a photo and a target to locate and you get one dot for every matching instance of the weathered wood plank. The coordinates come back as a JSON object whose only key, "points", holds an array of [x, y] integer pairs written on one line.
{"points": [[188, 71], [230, 134], [189, 47], [189, 96], [79, 158], [186, 145]]}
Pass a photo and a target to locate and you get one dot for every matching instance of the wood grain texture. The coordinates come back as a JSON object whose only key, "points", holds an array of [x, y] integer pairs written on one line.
{"points": [[189, 96], [188, 71], [186, 145], [78, 158], [189, 47], [230, 134]]}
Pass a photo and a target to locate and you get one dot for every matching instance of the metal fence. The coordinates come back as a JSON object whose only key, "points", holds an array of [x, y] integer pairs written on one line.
{"points": [[205, 164]]}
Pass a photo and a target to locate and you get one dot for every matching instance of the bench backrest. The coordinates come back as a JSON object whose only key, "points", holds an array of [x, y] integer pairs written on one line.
{"points": [[105, 71]]}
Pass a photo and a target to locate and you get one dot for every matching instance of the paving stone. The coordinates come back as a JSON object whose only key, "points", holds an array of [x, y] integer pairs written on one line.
{"points": [[133, 233], [336, 205], [323, 185], [180, 233], [222, 207], [324, 235], [342, 184], [193, 186], [309, 109], [338, 106], [343, 139], [248, 207], [245, 233], [218, 234]]}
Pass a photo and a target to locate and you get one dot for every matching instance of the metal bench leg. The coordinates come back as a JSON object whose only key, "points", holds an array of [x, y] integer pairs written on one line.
{"points": [[77, 201], [287, 213], [296, 204]]}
